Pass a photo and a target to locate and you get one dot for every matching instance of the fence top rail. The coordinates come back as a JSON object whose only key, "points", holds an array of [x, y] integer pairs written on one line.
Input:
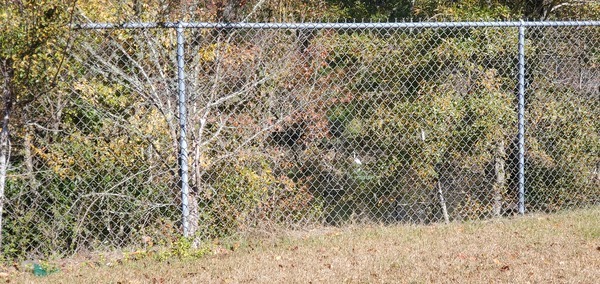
{"points": [[393, 25]]}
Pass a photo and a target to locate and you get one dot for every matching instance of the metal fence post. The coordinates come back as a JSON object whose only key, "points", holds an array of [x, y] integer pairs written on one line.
{"points": [[183, 154], [521, 118]]}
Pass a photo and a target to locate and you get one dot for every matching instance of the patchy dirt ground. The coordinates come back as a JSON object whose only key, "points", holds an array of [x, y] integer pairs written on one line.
{"points": [[559, 248]]}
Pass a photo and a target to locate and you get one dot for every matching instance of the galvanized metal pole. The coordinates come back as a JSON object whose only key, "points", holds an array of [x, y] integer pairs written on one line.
{"points": [[287, 26], [521, 118], [183, 151]]}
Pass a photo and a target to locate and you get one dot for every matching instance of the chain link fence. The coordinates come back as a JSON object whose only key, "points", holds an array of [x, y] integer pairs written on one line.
{"points": [[214, 129]]}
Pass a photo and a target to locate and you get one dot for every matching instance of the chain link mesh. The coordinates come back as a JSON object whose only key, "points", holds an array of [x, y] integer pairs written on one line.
{"points": [[303, 127]]}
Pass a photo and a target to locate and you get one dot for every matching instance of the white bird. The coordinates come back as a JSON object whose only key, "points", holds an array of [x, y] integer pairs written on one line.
{"points": [[356, 159]]}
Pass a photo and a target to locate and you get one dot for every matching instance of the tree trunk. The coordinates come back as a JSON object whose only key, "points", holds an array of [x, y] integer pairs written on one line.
{"points": [[439, 190], [4, 155], [500, 174], [8, 74], [443, 202], [193, 217]]}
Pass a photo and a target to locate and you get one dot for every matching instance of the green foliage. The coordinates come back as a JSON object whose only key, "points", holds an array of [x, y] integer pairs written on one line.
{"points": [[374, 10], [418, 107], [386, 10], [391, 10], [249, 193], [32, 43], [563, 154], [441, 86]]}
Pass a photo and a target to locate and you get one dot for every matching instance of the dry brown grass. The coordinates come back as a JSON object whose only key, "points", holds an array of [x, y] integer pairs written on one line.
{"points": [[559, 248]]}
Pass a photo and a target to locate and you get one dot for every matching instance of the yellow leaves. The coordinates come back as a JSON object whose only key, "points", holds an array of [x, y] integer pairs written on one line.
{"points": [[355, 127], [230, 55], [59, 162], [537, 153], [78, 154], [100, 10], [490, 80], [258, 181], [425, 170], [208, 52], [96, 93], [204, 162]]}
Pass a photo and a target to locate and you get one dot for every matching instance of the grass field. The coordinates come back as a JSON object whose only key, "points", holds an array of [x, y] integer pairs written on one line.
{"points": [[558, 248]]}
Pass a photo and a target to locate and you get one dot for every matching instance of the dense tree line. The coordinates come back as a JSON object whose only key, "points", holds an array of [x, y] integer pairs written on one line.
{"points": [[285, 126]]}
